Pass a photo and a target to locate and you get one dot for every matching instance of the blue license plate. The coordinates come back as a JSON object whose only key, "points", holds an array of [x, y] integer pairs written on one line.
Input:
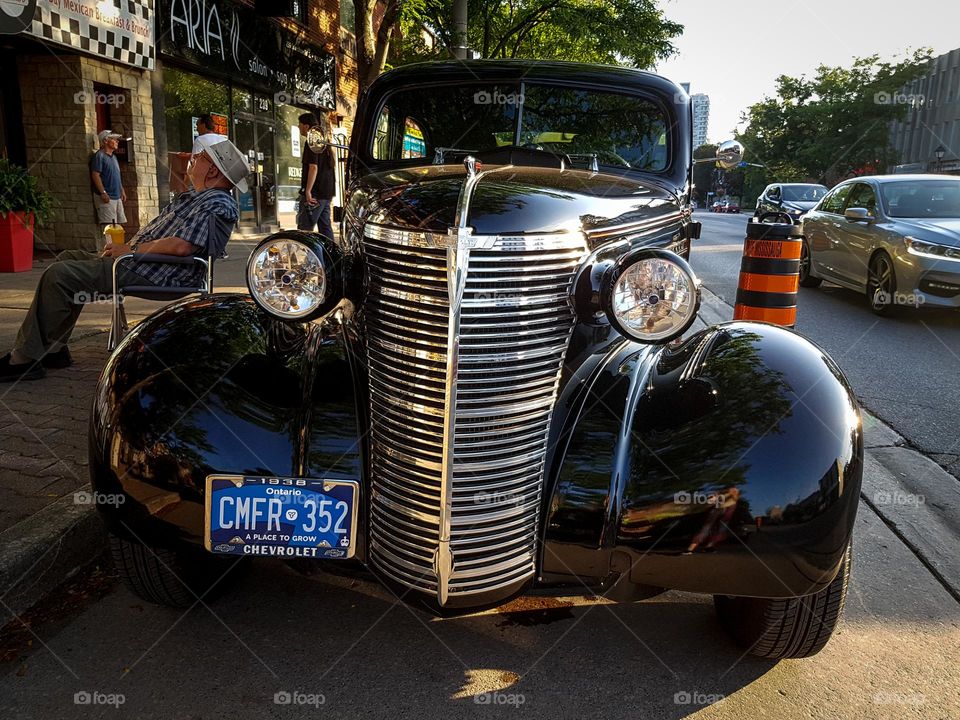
{"points": [[281, 517]]}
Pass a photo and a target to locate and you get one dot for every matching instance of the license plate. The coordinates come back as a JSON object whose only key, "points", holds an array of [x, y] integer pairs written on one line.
{"points": [[281, 517]]}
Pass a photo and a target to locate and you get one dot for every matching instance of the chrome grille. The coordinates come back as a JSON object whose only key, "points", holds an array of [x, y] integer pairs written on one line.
{"points": [[514, 325]]}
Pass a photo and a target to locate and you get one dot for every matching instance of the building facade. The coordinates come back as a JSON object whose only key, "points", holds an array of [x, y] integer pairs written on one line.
{"points": [[147, 69], [932, 121], [701, 118]]}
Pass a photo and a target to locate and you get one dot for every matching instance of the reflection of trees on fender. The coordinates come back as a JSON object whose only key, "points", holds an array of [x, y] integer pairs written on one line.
{"points": [[695, 434]]}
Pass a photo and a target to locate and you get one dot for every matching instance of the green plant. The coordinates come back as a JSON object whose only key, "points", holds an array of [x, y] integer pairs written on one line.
{"points": [[21, 192]]}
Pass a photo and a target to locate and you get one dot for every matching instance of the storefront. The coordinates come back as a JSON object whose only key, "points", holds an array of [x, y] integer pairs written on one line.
{"points": [[254, 77], [72, 69]]}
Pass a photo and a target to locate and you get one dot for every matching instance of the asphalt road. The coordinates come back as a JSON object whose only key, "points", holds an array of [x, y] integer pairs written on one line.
{"points": [[906, 370], [339, 648]]}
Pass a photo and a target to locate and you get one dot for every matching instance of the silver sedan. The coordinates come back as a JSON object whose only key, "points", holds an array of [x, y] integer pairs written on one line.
{"points": [[895, 238]]}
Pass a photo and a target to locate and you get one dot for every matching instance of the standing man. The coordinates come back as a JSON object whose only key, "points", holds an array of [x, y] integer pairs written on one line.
{"points": [[205, 129], [108, 192], [317, 184]]}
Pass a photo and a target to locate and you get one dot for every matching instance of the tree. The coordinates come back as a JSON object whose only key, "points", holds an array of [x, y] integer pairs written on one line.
{"points": [[373, 38], [621, 32], [834, 125]]}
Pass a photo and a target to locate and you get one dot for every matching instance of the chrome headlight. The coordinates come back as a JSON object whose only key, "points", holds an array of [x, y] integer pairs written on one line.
{"points": [[289, 276], [931, 250], [651, 295]]}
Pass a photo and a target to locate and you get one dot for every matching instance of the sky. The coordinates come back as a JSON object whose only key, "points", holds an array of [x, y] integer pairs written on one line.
{"points": [[733, 51]]}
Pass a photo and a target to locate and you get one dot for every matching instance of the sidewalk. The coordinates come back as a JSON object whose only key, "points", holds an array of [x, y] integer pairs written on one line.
{"points": [[43, 440]]}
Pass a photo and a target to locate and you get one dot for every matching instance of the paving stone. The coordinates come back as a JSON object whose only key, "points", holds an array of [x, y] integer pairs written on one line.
{"points": [[27, 466]]}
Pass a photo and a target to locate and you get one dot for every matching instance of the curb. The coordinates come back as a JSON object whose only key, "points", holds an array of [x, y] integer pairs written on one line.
{"points": [[912, 495], [40, 553]]}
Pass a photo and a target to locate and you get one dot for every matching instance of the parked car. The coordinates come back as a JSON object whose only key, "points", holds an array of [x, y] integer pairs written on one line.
{"points": [[731, 206], [895, 238], [717, 206], [480, 388], [794, 199]]}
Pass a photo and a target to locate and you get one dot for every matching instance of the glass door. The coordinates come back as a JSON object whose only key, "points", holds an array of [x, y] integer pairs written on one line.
{"points": [[253, 131]]}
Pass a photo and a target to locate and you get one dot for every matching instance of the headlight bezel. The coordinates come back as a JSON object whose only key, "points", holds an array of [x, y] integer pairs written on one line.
{"points": [[910, 242], [621, 266], [328, 257]]}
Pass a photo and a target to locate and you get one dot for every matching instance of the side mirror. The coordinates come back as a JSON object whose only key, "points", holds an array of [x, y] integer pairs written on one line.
{"points": [[729, 155], [316, 141], [858, 214]]}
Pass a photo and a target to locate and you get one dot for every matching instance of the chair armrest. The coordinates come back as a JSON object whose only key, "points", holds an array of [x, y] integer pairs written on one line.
{"points": [[159, 258], [168, 259]]}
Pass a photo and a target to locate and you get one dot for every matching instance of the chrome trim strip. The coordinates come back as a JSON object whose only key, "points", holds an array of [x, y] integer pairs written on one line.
{"points": [[641, 226]]}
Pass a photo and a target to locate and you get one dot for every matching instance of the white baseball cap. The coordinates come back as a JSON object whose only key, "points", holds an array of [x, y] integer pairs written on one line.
{"points": [[228, 159], [106, 134]]}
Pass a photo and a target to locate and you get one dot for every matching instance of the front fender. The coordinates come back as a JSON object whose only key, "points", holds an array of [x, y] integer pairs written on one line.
{"points": [[730, 464], [215, 385]]}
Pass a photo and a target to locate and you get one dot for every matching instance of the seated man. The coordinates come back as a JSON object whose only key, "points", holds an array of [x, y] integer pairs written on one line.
{"points": [[197, 222]]}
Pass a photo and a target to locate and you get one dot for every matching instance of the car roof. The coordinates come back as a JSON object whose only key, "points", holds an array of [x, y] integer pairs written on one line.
{"points": [[905, 176], [486, 70]]}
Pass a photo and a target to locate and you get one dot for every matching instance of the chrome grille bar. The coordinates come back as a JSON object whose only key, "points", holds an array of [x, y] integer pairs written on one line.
{"points": [[459, 518]]}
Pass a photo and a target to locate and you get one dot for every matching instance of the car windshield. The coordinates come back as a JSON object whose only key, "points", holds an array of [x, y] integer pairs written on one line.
{"points": [[922, 198], [443, 123], [803, 193]]}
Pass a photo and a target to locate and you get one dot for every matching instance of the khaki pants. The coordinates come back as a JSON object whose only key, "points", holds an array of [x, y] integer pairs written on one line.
{"points": [[75, 279]]}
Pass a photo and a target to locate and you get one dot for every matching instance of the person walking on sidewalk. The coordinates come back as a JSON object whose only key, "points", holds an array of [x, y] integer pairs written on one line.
{"points": [[108, 193], [317, 184], [197, 222]]}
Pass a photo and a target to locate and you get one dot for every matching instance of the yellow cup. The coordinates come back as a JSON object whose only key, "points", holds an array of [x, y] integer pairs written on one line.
{"points": [[115, 233]]}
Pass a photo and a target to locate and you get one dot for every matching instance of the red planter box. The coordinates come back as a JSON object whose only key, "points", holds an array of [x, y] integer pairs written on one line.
{"points": [[16, 242]]}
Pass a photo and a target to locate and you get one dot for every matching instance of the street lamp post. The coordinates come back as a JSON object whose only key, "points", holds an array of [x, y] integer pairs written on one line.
{"points": [[938, 154]]}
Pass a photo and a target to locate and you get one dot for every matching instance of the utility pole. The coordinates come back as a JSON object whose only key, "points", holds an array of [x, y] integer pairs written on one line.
{"points": [[460, 49]]}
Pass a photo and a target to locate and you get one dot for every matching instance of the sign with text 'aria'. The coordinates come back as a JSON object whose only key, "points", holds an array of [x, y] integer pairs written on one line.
{"points": [[229, 39]]}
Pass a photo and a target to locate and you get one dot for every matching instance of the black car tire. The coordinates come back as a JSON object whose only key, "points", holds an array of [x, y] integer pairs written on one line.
{"points": [[806, 279], [881, 277], [792, 628], [172, 578]]}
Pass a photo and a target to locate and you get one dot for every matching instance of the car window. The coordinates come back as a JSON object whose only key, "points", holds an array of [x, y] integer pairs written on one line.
{"points": [[444, 123], [803, 193], [921, 198], [436, 121], [833, 203], [862, 196], [773, 193]]}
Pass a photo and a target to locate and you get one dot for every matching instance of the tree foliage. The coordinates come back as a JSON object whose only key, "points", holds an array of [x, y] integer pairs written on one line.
{"points": [[831, 126], [622, 32]]}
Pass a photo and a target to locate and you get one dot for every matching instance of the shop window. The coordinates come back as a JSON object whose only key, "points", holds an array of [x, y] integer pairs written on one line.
{"points": [[347, 16], [186, 97], [413, 144]]}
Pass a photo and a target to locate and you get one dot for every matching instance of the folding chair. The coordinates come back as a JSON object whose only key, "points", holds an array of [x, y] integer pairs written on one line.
{"points": [[118, 326]]}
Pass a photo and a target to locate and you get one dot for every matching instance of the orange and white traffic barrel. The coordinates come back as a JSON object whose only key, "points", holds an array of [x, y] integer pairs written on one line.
{"points": [[769, 273]]}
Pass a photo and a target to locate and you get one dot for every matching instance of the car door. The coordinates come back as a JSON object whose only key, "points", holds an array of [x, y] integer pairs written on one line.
{"points": [[821, 227], [856, 240]]}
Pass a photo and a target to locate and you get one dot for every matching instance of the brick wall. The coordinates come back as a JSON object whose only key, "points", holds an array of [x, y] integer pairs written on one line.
{"points": [[60, 126]]}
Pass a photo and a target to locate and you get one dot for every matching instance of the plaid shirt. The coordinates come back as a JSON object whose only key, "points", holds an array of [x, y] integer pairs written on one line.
{"points": [[204, 219]]}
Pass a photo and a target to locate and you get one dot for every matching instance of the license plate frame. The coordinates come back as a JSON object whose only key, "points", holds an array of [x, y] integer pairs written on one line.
{"points": [[300, 495]]}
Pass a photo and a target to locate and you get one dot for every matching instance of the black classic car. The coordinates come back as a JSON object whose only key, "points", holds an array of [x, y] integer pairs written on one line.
{"points": [[488, 385]]}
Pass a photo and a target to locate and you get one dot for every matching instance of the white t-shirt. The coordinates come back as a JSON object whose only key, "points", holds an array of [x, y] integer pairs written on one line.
{"points": [[211, 137]]}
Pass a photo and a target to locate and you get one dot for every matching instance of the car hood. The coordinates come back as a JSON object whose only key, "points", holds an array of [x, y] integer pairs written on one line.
{"points": [[941, 230], [510, 200], [800, 205]]}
